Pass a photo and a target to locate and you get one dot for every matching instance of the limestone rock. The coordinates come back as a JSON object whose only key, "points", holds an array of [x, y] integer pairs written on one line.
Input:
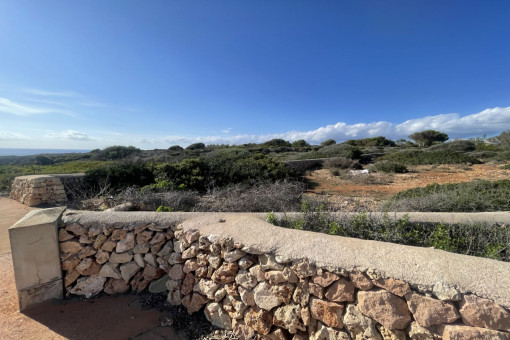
{"points": [[225, 273], [207, 287], [139, 260], [70, 262], [274, 277], [120, 258], [220, 294], [142, 279], [174, 297], [109, 245], [276, 334], [99, 240], [102, 256], [245, 279], [175, 258], [191, 252], [265, 297], [235, 308], [110, 270], [258, 319], [71, 277], [283, 292], [118, 234], [242, 331], [330, 313], [246, 262], [395, 334], [316, 290], [417, 332], [479, 312], [191, 235], [302, 293], [63, 235], [126, 244], [89, 286], [76, 229], [359, 326], [304, 269], [70, 247], [187, 284], [360, 280], [326, 333], [341, 290], [445, 292], [246, 296], [150, 259], [143, 236], [190, 266], [233, 255], [194, 302], [268, 262], [88, 267], [461, 332], [386, 308], [429, 312], [397, 287], [166, 249], [177, 273], [288, 317], [159, 285], [129, 269], [258, 273], [324, 278], [116, 286], [289, 275]]}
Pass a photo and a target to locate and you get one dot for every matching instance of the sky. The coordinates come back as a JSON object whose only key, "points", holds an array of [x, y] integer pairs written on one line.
{"points": [[152, 74]]}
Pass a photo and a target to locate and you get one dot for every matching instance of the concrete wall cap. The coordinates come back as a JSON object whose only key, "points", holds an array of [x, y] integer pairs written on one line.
{"points": [[37, 217]]}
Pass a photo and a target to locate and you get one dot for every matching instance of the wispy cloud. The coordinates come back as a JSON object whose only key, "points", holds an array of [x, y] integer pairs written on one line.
{"points": [[70, 135], [227, 130], [20, 109], [45, 93], [489, 121], [12, 136]]}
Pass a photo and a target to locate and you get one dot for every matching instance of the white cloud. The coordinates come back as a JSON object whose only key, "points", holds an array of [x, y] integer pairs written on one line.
{"points": [[70, 135], [490, 122], [44, 93], [14, 108], [227, 130], [7, 135]]}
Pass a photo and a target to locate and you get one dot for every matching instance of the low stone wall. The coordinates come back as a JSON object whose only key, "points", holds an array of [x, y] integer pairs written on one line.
{"points": [[35, 190], [266, 282]]}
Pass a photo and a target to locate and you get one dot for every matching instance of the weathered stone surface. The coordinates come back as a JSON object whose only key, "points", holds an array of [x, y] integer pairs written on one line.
{"points": [[139, 260], [359, 326], [386, 308], [246, 262], [289, 275], [70, 262], [445, 292], [276, 334], [429, 312], [328, 312], [214, 260], [225, 273], [143, 236], [84, 239], [397, 287], [341, 290], [166, 249], [190, 266], [89, 286], [94, 230], [316, 290], [275, 277], [202, 259], [71, 277], [304, 269], [306, 316], [187, 284], [195, 303], [265, 297], [70, 247], [258, 319], [324, 278], [233, 255], [417, 332], [86, 252], [302, 293], [268, 262], [458, 332], [284, 292], [110, 270], [174, 297], [150, 259], [479, 312], [207, 287], [245, 279], [129, 269], [242, 331], [326, 333], [360, 280], [217, 316], [102, 256], [258, 273], [88, 267], [176, 272], [191, 235], [126, 244], [288, 317], [191, 252], [76, 229], [120, 258], [231, 289], [63, 235], [109, 245], [142, 279], [220, 294], [234, 307], [175, 258], [159, 285], [118, 234], [246, 296], [392, 334], [99, 240], [116, 286]]}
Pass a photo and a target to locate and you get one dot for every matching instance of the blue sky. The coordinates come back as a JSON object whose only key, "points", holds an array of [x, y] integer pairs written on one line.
{"points": [[89, 74]]}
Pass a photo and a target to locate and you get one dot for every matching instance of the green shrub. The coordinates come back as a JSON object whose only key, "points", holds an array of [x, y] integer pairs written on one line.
{"points": [[391, 167], [328, 142], [196, 146], [374, 141], [342, 163], [418, 157], [121, 175], [456, 145], [300, 144], [115, 152], [163, 208], [340, 150]]}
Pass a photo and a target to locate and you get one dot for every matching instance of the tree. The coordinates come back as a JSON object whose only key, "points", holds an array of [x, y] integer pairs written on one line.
{"points": [[196, 146], [428, 137], [328, 142], [43, 160], [300, 144]]}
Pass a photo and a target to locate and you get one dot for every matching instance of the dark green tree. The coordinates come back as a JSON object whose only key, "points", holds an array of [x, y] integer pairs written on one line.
{"points": [[301, 143], [428, 137], [328, 142]]}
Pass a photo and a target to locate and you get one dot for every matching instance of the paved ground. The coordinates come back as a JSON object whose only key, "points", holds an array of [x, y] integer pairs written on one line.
{"points": [[114, 318]]}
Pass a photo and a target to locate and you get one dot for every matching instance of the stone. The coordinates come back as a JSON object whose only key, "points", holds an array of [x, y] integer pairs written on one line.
{"points": [[150, 259], [118, 234], [194, 302], [86, 252], [191, 252], [429, 312], [258, 273], [316, 290], [242, 331], [246, 262], [174, 297], [288, 317], [88, 267], [276, 334], [226, 273], [70, 263], [260, 320], [231, 289], [417, 332], [397, 287], [76, 229], [389, 334], [384, 307], [246, 296], [94, 230], [480, 312], [190, 266], [445, 292], [274, 277], [217, 316], [306, 316], [109, 245], [126, 244], [220, 294], [191, 235], [99, 240], [283, 292], [159, 285], [207, 287], [233, 255], [340, 291], [139, 260], [176, 272], [324, 279], [116, 286], [102, 256], [268, 262], [214, 260], [461, 332], [110, 270], [234, 307], [120, 258], [330, 313], [326, 333], [359, 326], [71, 277], [70, 247], [128, 270], [204, 272], [179, 246], [142, 279], [304, 269], [360, 280], [290, 276], [302, 293], [245, 279], [63, 235], [84, 239], [89, 286], [202, 259], [265, 297], [175, 258], [143, 236], [187, 284]]}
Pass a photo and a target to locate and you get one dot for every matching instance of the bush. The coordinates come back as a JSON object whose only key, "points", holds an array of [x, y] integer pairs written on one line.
{"points": [[328, 142], [458, 197], [340, 150], [391, 167], [196, 146], [374, 141], [342, 163], [115, 152], [175, 148], [428, 137], [456, 145], [147, 200], [300, 144], [275, 143], [121, 175], [418, 157]]}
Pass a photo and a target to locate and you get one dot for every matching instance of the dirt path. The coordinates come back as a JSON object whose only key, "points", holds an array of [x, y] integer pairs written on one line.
{"points": [[106, 317]]}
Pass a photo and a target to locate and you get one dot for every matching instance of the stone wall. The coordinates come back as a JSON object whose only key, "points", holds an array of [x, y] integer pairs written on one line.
{"points": [[50, 190], [267, 282]]}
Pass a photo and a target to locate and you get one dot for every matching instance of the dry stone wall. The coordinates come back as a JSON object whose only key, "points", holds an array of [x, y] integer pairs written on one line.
{"points": [[50, 190], [261, 294]]}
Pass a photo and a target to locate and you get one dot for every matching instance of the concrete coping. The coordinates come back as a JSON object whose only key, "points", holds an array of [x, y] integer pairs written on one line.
{"points": [[43, 176], [418, 266]]}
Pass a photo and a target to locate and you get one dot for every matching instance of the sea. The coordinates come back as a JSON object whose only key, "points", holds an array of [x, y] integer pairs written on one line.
{"points": [[29, 152]]}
